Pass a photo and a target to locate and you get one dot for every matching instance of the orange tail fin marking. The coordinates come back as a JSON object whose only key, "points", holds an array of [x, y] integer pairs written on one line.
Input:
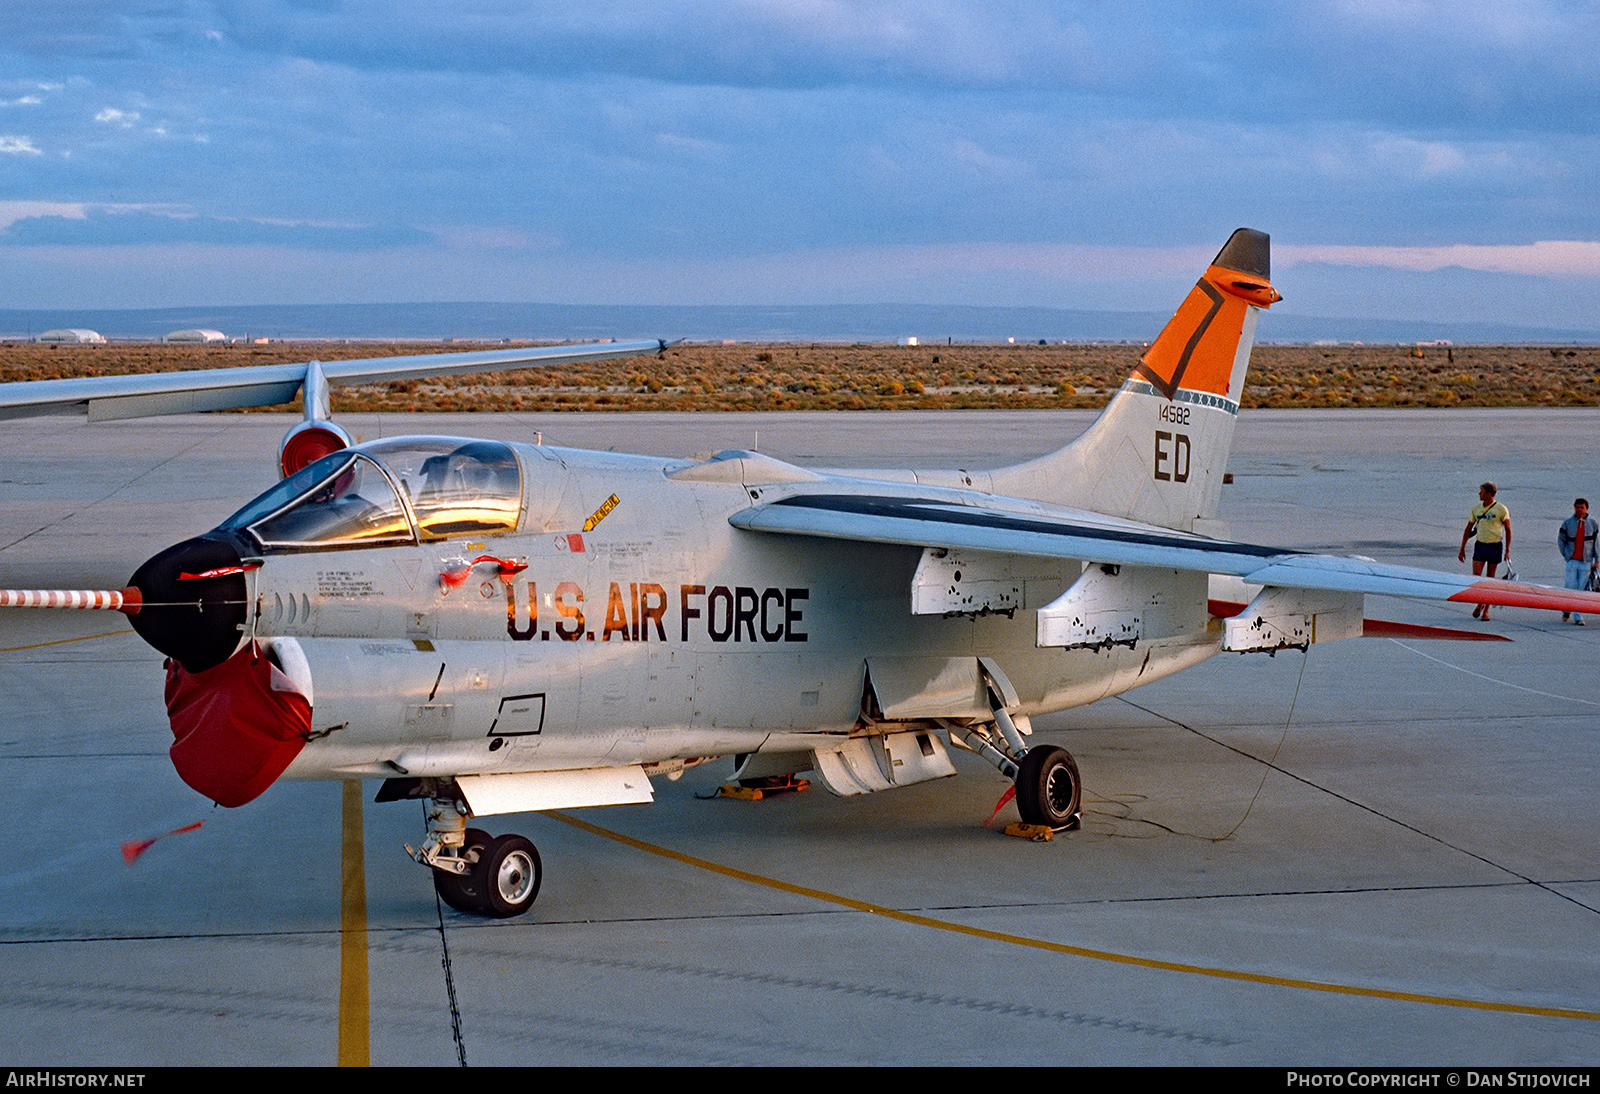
{"points": [[1196, 348]]}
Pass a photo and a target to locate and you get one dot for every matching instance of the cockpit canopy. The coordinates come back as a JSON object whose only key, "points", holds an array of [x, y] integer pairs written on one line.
{"points": [[405, 490]]}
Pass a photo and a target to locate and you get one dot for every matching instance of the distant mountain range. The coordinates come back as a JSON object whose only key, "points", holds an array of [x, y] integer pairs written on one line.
{"points": [[745, 323]]}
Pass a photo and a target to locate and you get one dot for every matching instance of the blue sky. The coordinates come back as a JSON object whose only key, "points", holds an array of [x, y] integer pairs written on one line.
{"points": [[1409, 157]]}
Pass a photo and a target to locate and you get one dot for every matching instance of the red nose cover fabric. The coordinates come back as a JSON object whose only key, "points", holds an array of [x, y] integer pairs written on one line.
{"points": [[237, 725]]}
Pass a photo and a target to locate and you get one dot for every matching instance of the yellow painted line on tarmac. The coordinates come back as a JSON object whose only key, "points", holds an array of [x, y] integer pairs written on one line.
{"points": [[62, 641], [355, 1048], [1074, 951]]}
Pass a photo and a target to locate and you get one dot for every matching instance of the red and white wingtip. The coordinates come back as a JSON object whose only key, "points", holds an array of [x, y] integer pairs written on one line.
{"points": [[1515, 594], [128, 601]]}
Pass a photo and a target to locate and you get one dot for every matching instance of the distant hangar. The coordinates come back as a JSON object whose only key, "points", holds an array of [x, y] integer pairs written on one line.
{"points": [[70, 334], [195, 336]]}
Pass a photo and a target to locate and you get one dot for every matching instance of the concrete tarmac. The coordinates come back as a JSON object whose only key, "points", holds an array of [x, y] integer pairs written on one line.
{"points": [[1380, 853]]}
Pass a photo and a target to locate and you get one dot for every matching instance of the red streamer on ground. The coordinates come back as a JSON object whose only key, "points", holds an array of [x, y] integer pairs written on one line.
{"points": [[1011, 792], [133, 848]]}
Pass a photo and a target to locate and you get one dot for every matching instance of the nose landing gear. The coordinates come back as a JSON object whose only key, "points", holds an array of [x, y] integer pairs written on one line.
{"points": [[508, 876], [460, 890], [475, 872]]}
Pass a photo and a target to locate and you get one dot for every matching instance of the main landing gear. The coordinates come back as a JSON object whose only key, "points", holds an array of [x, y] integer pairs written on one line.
{"points": [[475, 872], [1049, 792]]}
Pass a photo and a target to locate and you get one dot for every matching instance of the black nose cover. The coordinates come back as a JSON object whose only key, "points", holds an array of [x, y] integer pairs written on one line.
{"points": [[194, 601]]}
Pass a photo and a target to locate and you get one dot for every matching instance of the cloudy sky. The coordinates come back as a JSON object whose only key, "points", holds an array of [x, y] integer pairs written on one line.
{"points": [[1409, 157]]}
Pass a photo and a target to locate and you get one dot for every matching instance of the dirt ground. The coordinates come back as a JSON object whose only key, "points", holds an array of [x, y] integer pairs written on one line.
{"points": [[786, 376]]}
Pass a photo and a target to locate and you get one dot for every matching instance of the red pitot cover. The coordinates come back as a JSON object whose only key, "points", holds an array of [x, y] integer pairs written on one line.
{"points": [[237, 725]]}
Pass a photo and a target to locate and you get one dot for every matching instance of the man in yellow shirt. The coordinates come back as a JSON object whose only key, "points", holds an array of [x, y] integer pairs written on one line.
{"points": [[1490, 523]]}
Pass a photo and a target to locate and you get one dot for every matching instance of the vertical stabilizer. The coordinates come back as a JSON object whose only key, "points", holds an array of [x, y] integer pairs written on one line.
{"points": [[1158, 451]]}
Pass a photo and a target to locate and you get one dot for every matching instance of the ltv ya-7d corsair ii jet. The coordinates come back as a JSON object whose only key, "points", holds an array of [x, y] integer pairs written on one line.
{"points": [[504, 628]]}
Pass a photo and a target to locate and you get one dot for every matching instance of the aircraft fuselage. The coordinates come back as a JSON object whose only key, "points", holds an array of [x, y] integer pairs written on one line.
{"points": [[661, 632]]}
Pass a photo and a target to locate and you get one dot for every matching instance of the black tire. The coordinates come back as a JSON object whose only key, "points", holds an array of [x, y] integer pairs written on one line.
{"points": [[1048, 789], [508, 875], [460, 891]]}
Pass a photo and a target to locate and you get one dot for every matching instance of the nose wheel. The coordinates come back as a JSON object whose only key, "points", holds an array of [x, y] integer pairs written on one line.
{"points": [[473, 872], [508, 876], [502, 879]]}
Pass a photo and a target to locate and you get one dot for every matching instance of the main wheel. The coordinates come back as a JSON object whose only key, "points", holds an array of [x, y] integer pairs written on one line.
{"points": [[1048, 791], [508, 875], [460, 891]]}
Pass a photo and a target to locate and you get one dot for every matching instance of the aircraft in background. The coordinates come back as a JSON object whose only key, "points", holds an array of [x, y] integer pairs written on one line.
{"points": [[501, 628]]}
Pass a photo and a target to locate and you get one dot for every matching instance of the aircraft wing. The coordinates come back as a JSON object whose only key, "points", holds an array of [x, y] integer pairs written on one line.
{"points": [[105, 398], [1047, 531]]}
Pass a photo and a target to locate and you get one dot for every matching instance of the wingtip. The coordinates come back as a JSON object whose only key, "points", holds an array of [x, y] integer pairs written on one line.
{"points": [[1516, 594]]}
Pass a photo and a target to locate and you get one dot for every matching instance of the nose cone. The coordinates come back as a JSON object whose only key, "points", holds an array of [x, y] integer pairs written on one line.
{"points": [[194, 601]]}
